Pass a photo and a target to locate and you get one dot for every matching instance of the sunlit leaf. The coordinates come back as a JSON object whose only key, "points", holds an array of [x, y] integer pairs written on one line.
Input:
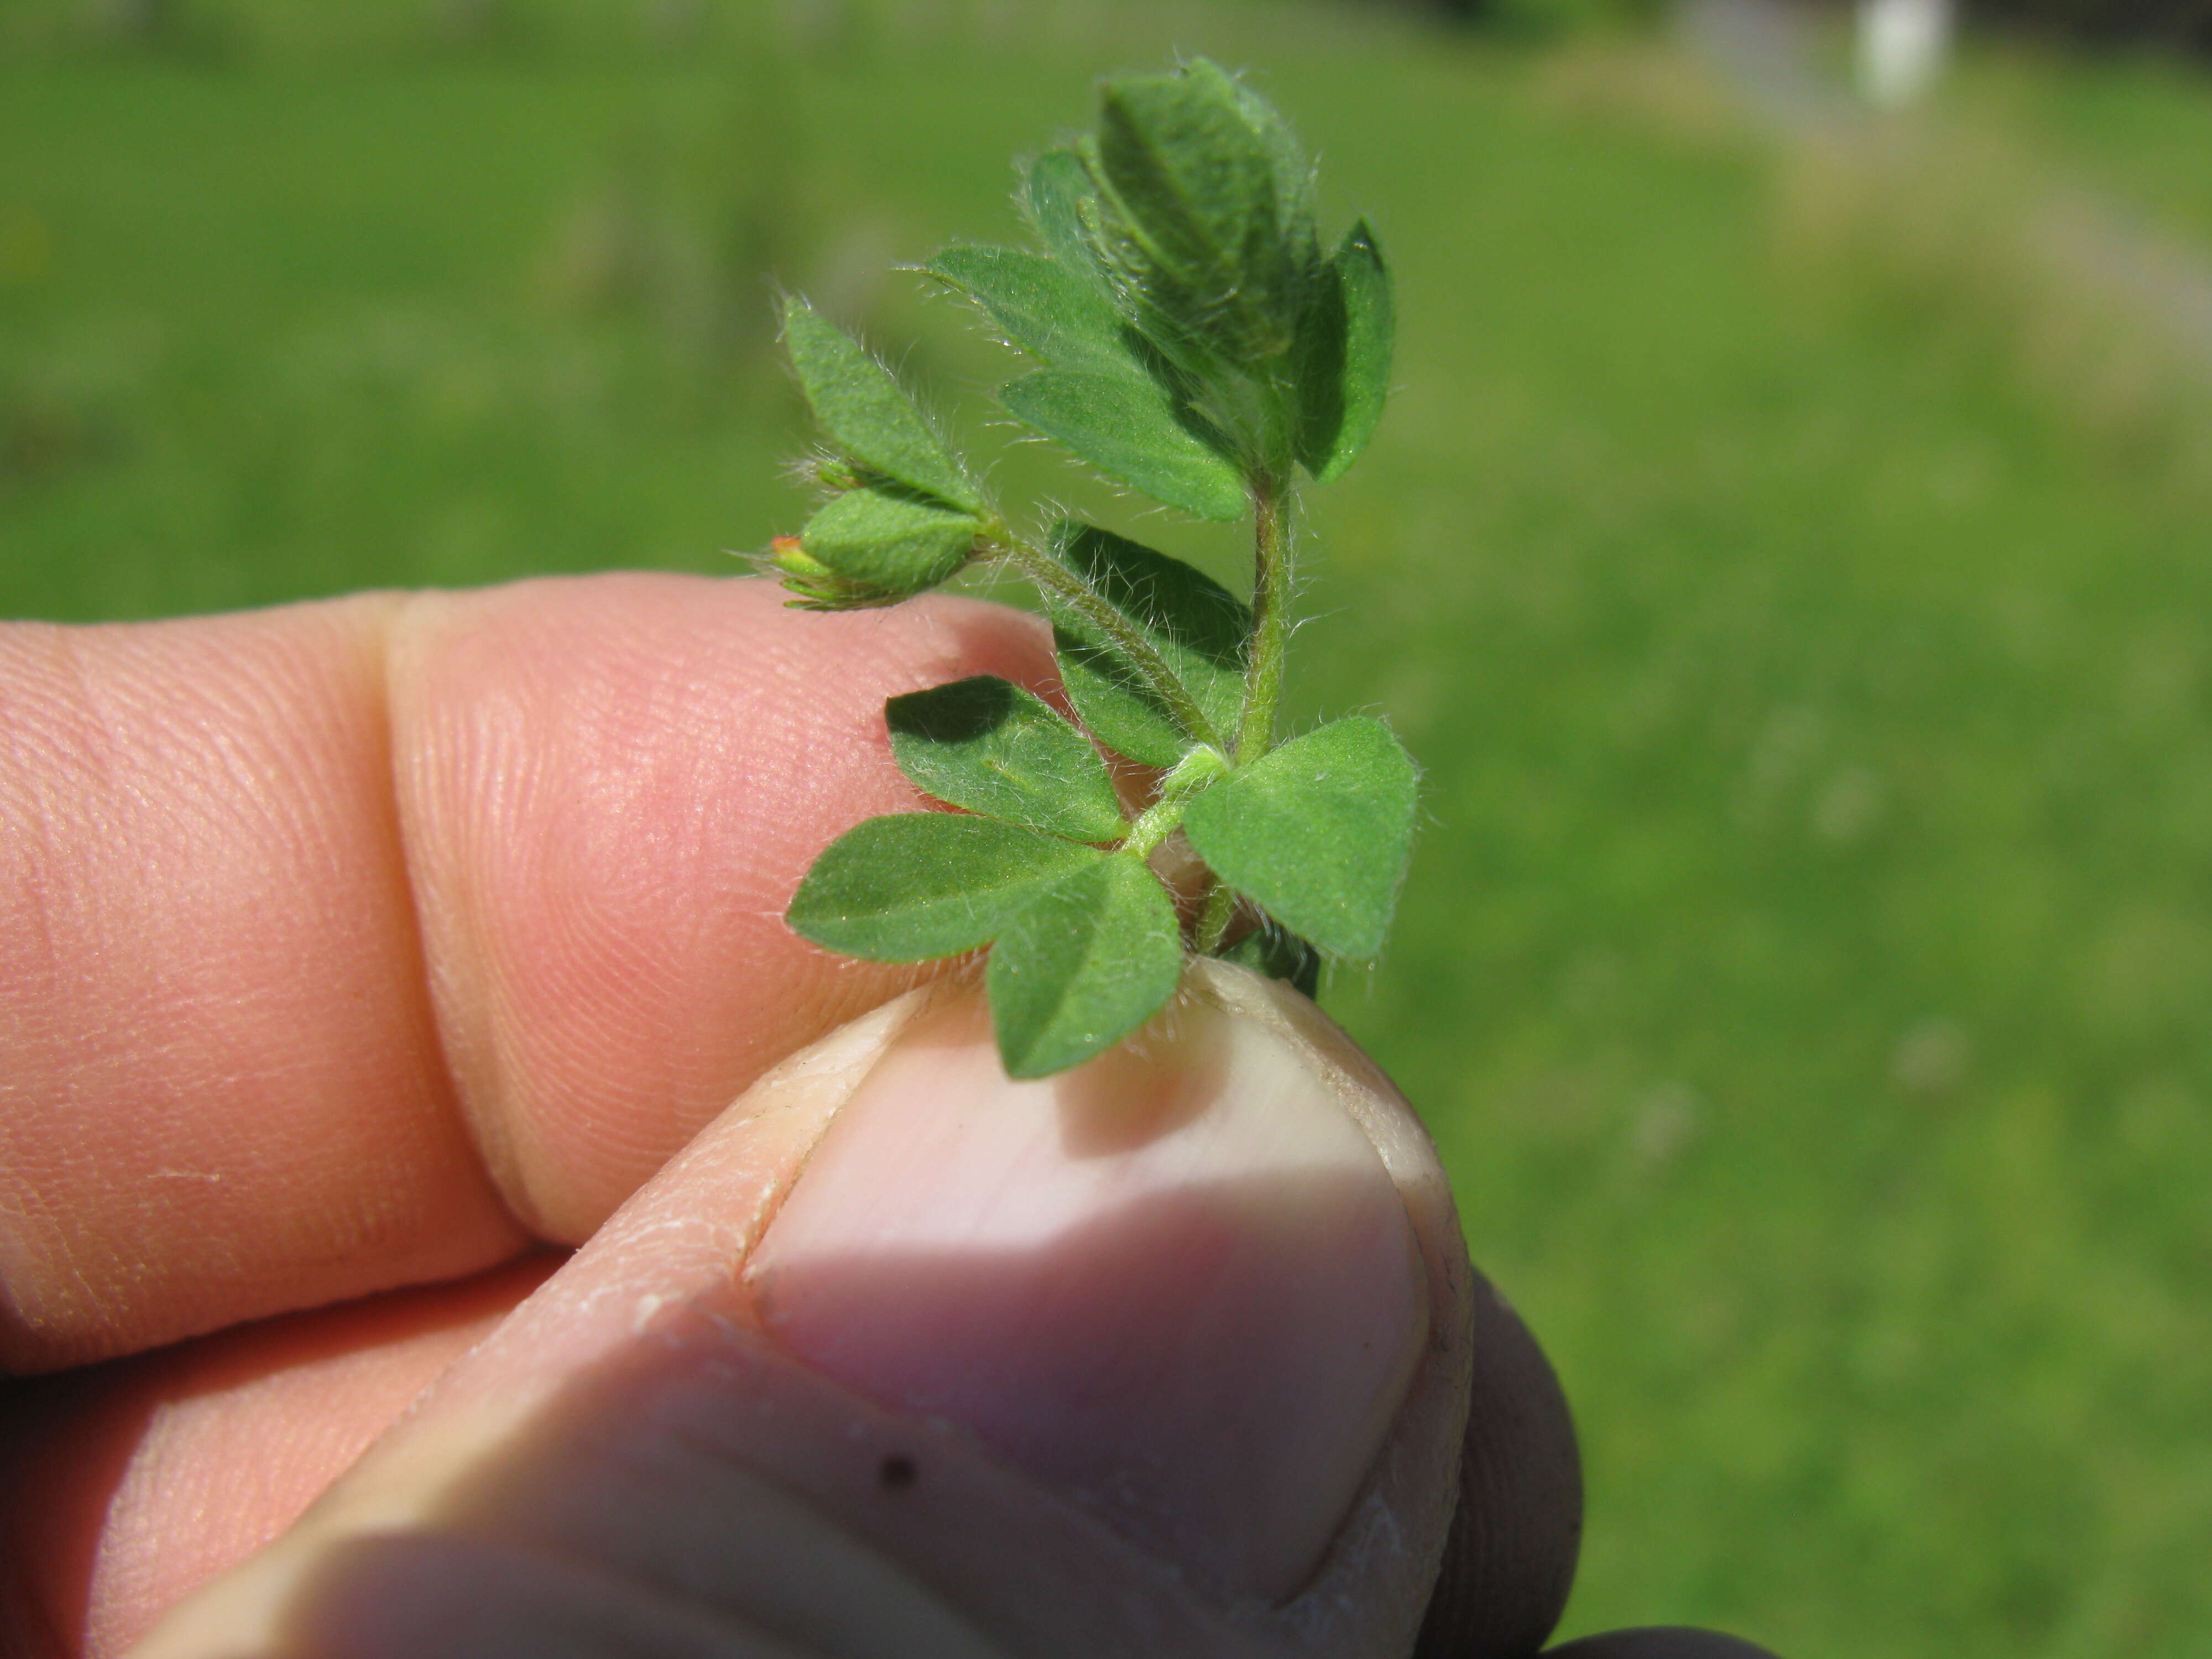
{"points": [[1127, 430], [1190, 187], [1084, 965], [1054, 194], [1293, 172], [1317, 831], [867, 412], [986, 745], [1040, 305], [921, 885]]}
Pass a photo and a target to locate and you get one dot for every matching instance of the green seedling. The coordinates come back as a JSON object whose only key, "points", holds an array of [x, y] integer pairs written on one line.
{"points": [[1194, 340]]}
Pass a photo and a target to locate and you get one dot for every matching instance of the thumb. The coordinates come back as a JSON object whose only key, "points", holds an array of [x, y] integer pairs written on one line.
{"points": [[1167, 1356]]}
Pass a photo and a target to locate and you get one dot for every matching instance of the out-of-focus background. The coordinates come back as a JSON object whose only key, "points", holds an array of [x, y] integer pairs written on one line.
{"points": [[1789, 551]]}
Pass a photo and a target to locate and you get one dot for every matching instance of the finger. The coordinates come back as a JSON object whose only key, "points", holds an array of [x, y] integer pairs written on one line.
{"points": [[217, 1061], [606, 808], [1164, 1356], [1510, 1561], [1669, 1643], [125, 1486], [306, 914]]}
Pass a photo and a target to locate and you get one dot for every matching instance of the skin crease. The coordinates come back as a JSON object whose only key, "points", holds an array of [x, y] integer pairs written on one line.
{"points": [[602, 888], [552, 820], [124, 1487], [635, 1445], [264, 805], [343, 948]]}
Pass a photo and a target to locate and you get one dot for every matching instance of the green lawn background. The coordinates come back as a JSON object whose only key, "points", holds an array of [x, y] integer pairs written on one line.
{"points": [[1808, 956]]}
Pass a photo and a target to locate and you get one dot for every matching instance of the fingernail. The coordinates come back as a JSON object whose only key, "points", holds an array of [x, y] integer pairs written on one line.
{"points": [[1176, 1286]]}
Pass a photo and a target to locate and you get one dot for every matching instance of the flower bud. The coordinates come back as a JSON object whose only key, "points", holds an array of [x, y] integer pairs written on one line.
{"points": [[872, 546]]}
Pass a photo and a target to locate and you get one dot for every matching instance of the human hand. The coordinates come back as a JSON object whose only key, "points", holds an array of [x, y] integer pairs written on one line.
{"points": [[352, 954]]}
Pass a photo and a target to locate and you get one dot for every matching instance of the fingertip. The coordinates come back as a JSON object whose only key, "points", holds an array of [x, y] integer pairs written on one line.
{"points": [[664, 1415], [1177, 1284]]}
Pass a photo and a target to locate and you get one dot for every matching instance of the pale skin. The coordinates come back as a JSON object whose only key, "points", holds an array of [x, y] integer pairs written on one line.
{"points": [[412, 891], [358, 958]]}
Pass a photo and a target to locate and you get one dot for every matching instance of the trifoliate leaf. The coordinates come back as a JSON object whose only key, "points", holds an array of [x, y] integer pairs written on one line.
{"points": [[867, 412], [1198, 627], [1127, 430], [1086, 963], [916, 885], [1279, 954], [889, 546], [1317, 831], [1041, 307], [986, 745], [1345, 344]]}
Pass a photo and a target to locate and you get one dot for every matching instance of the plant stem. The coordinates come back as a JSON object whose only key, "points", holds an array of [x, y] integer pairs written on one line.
{"points": [[1263, 672], [1213, 921], [1192, 774], [1058, 580], [1271, 618]]}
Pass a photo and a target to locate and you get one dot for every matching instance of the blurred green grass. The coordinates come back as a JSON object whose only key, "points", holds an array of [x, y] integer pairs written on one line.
{"points": [[2139, 123], [1805, 961]]}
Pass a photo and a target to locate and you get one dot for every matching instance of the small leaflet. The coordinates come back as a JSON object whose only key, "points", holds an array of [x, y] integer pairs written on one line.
{"points": [[1086, 964], [1317, 831], [987, 746], [1041, 307], [868, 413], [916, 885], [1198, 627], [1127, 428]]}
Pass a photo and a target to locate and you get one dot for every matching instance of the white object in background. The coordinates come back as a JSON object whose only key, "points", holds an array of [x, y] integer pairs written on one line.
{"points": [[1903, 44]]}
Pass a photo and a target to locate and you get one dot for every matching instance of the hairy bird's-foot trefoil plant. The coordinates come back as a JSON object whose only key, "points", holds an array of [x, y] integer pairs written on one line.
{"points": [[1196, 341]]}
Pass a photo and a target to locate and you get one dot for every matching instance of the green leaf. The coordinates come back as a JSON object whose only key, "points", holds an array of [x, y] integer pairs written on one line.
{"points": [[987, 745], [890, 545], [1198, 627], [1317, 377], [1041, 307], [1271, 949], [1052, 197], [1317, 831], [1193, 209], [867, 412], [1293, 172], [921, 885], [1127, 430], [1086, 964], [1346, 341]]}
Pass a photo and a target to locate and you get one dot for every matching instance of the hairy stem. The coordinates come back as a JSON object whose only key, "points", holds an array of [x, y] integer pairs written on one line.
{"points": [[1192, 774], [1213, 921], [1271, 618], [1057, 579], [1263, 670]]}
